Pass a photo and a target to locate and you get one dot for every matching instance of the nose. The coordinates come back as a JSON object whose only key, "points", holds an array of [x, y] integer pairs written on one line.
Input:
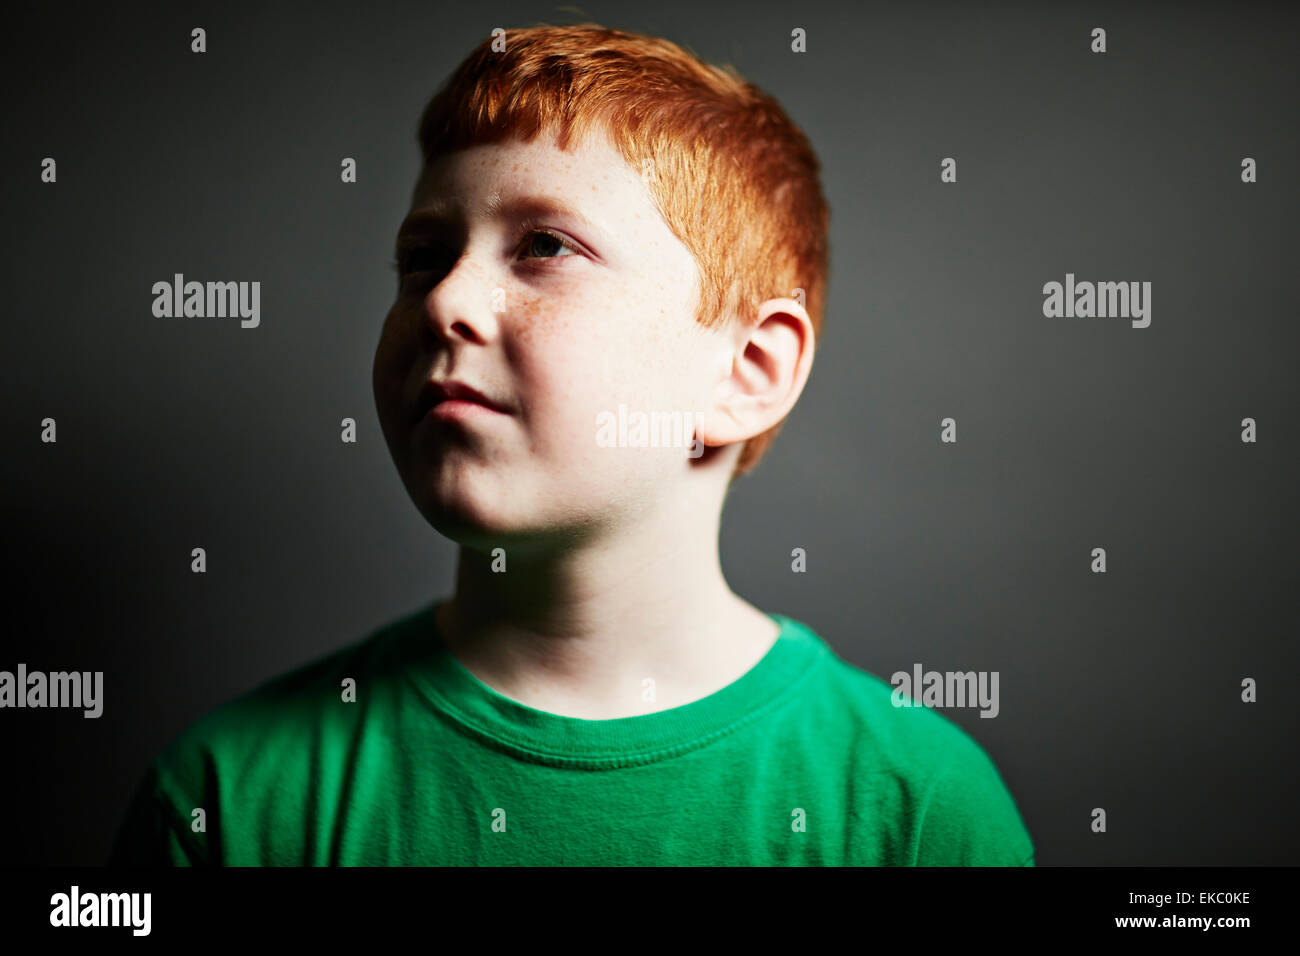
{"points": [[465, 304]]}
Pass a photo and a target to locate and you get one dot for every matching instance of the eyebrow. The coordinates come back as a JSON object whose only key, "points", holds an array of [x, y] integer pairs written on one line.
{"points": [[444, 209]]}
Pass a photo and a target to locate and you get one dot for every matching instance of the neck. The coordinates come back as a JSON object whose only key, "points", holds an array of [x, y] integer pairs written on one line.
{"points": [[579, 629]]}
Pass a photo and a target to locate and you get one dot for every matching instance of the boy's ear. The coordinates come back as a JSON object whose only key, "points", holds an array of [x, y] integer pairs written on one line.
{"points": [[761, 376]]}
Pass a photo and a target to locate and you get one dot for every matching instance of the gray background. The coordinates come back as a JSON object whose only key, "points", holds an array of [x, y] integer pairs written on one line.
{"points": [[1118, 690]]}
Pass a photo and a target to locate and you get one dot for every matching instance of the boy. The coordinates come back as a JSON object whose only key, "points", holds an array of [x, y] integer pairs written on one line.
{"points": [[602, 223]]}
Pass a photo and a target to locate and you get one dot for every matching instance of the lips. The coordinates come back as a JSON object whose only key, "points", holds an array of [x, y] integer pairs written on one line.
{"points": [[434, 393]]}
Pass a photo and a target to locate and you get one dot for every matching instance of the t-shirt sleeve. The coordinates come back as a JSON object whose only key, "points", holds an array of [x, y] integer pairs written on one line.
{"points": [[968, 817], [154, 832]]}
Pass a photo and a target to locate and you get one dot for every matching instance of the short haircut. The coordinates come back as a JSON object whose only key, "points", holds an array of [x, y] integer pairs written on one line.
{"points": [[733, 178]]}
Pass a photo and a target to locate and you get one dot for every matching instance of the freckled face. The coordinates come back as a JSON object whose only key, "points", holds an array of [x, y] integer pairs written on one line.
{"points": [[556, 326]]}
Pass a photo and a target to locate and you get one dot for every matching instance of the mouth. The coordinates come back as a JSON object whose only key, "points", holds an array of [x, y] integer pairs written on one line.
{"points": [[452, 399]]}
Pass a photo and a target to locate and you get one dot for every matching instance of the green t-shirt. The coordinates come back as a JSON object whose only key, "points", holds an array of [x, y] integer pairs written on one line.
{"points": [[802, 761]]}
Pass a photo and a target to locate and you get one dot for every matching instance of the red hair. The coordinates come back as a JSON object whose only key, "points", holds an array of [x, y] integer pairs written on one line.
{"points": [[733, 178]]}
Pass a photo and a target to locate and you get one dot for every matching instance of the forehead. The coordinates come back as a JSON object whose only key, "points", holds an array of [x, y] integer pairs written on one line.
{"points": [[528, 163], [590, 181]]}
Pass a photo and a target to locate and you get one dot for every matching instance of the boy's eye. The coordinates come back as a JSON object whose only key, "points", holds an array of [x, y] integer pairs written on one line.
{"points": [[420, 259], [537, 243], [548, 239]]}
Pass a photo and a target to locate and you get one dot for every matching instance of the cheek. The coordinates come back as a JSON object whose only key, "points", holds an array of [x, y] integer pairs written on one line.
{"points": [[572, 349], [613, 340], [392, 359], [580, 351]]}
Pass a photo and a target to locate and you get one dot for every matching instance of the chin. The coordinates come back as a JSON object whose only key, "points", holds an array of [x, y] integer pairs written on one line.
{"points": [[468, 526], [462, 505], [470, 509], [519, 542], [479, 522]]}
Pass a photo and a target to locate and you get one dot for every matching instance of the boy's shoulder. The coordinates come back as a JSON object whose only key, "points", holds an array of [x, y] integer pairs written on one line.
{"points": [[288, 714], [919, 737], [961, 810], [256, 750]]}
